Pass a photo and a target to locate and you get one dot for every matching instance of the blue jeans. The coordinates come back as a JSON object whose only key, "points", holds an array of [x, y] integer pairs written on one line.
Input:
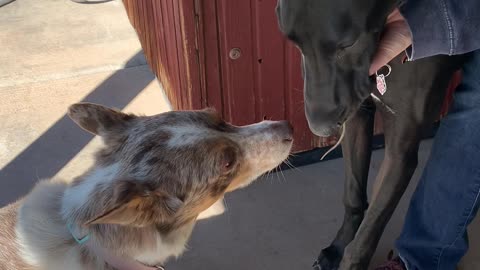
{"points": [[446, 200]]}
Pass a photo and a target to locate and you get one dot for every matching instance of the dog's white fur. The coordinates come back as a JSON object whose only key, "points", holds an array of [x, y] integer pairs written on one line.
{"points": [[74, 197], [41, 231], [46, 242]]}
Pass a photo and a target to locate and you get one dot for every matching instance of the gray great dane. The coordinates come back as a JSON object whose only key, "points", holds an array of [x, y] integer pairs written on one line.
{"points": [[337, 40]]}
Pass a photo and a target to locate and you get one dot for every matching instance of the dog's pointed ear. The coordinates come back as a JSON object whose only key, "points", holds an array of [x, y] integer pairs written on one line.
{"points": [[138, 204], [98, 119]]}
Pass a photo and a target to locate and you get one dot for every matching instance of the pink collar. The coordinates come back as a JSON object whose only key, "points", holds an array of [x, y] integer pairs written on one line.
{"points": [[121, 263]]}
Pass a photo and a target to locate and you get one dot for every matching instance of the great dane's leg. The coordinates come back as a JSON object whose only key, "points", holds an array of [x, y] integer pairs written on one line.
{"points": [[357, 150], [402, 140]]}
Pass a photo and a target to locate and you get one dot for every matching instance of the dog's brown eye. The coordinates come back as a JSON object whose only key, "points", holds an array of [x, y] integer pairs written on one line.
{"points": [[227, 167], [228, 159]]}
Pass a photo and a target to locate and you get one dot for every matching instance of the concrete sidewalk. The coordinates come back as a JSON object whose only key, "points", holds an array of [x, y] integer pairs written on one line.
{"points": [[57, 52]]}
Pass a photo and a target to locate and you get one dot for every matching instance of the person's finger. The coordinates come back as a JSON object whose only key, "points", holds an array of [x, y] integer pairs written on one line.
{"points": [[394, 16], [395, 40]]}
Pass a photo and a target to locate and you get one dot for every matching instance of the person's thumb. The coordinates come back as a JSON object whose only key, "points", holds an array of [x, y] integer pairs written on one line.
{"points": [[396, 39]]}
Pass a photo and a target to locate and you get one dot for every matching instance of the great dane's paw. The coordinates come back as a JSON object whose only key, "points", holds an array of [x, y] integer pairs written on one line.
{"points": [[329, 259], [348, 265], [352, 260]]}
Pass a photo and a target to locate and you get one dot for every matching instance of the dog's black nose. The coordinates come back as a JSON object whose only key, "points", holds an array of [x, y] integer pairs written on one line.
{"points": [[323, 130]]}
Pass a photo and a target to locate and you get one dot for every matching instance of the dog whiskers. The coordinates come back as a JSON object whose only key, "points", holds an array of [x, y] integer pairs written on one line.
{"points": [[267, 175], [277, 170], [283, 176], [337, 144], [293, 155], [288, 164], [291, 166], [225, 204], [36, 174]]}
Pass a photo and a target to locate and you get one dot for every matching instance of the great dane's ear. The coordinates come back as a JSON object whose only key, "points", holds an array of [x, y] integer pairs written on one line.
{"points": [[97, 119], [136, 203]]}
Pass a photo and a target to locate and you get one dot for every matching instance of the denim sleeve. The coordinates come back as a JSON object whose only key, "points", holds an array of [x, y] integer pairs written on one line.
{"points": [[442, 26]]}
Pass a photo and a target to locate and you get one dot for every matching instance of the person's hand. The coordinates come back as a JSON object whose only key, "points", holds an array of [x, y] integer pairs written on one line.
{"points": [[395, 39]]}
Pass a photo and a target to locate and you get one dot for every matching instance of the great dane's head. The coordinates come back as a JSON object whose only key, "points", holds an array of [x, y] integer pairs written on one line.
{"points": [[337, 39]]}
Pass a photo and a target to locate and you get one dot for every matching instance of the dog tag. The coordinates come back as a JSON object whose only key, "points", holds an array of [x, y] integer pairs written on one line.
{"points": [[381, 84]]}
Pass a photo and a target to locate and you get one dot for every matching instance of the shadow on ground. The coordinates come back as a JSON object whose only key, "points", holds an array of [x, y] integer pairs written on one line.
{"points": [[63, 140]]}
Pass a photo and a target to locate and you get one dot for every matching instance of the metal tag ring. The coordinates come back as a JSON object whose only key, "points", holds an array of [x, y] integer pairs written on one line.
{"points": [[389, 70]]}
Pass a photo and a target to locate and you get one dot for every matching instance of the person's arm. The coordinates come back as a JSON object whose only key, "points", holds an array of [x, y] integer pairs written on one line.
{"points": [[442, 26], [396, 37], [438, 27]]}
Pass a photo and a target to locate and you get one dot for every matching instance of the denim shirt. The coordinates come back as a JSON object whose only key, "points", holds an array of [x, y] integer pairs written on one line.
{"points": [[442, 26]]}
